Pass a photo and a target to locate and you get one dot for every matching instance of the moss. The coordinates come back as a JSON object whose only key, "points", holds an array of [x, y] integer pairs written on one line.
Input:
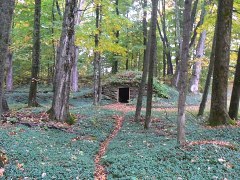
{"points": [[71, 119], [232, 122]]}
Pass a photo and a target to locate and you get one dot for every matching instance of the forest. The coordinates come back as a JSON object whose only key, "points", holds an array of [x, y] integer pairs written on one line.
{"points": [[120, 89]]}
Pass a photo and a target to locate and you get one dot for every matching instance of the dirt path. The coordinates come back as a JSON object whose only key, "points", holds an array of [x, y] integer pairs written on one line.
{"points": [[100, 171]]}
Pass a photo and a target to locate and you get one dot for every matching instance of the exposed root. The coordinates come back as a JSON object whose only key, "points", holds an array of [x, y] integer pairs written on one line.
{"points": [[100, 172]]}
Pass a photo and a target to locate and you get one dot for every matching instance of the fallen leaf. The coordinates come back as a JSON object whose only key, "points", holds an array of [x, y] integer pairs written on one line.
{"points": [[20, 166], [1, 172]]}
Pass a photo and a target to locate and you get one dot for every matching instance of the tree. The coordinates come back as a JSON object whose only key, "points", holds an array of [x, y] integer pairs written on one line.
{"points": [[6, 14], [32, 98], [197, 66], [97, 58], [115, 61], [74, 76], [152, 59], [64, 61], [234, 103], [9, 71], [145, 65], [166, 44], [208, 79], [183, 76], [218, 111], [178, 39]]}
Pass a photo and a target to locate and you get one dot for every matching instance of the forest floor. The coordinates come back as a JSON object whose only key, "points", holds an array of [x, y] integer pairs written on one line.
{"points": [[106, 141]]}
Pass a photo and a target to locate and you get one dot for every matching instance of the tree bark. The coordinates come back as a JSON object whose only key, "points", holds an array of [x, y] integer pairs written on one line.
{"points": [[64, 61], [196, 70], [32, 98], [166, 45], [145, 65], [6, 14], [5, 104], [234, 103], [74, 77], [183, 76], [218, 112], [97, 58], [115, 60], [9, 71], [208, 79], [152, 59], [197, 66], [178, 45]]}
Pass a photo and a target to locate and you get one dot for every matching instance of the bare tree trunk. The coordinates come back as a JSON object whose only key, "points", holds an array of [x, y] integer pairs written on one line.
{"points": [[65, 58], [178, 44], [74, 75], [5, 104], [32, 98], [197, 66], [181, 139], [6, 14], [196, 71], [145, 65], [218, 112], [115, 61], [97, 58], [74, 79], [208, 79], [234, 103], [152, 59], [166, 42], [51, 67], [9, 73]]}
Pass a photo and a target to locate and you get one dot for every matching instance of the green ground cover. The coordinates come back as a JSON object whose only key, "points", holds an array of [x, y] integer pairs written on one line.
{"points": [[133, 154], [51, 153], [139, 154], [54, 154]]}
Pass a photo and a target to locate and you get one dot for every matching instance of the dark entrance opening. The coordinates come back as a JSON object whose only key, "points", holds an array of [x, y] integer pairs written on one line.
{"points": [[123, 95]]}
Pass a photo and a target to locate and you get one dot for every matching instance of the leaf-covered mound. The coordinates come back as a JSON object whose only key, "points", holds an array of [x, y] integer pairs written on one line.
{"points": [[153, 154], [133, 79], [126, 77]]}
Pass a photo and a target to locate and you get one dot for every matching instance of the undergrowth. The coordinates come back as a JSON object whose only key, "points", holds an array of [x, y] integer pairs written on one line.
{"points": [[37, 153], [43, 153], [139, 154]]}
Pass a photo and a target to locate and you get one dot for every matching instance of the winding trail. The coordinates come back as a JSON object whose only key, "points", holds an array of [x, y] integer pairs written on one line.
{"points": [[100, 171]]}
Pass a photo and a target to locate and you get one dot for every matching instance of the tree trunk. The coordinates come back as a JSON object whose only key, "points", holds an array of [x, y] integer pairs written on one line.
{"points": [[64, 61], [178, 45], [51, 67], [166, 45], [97, 58], [234, 103], [74, 75], [6, 14], [194, 82], [5, 104], [74, 79], [197, 66], [208, 79], [32, 98], [152, 59], [183, 76], [9, 73], [218, 111], [145, 65], [115, 60]]}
